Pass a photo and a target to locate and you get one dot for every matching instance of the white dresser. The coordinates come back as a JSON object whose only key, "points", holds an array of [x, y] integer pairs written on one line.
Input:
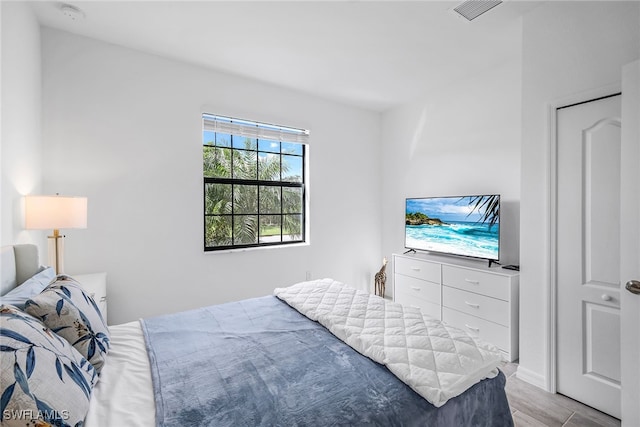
{"points": [[480, 300], [417, 282]]}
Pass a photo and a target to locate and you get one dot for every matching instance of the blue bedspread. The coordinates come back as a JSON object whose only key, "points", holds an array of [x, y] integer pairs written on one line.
{"points": [[258, 362]]}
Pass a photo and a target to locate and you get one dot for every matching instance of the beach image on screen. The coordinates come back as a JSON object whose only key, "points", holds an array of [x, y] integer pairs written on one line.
{"points": [[467, 226]]}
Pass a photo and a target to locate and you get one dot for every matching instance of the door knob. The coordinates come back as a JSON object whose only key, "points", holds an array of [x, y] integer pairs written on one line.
{"points": [[633, 286]]}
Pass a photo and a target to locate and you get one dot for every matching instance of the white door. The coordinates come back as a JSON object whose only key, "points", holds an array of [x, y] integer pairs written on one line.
{"points": [[630, 244], [588, 250]]}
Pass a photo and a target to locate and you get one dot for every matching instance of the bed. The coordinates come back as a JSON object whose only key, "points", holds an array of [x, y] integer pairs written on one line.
{"points": [[307, 355]]}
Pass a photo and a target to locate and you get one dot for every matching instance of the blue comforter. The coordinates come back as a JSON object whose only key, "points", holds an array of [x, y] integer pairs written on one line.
{"points": [[258, 362]]}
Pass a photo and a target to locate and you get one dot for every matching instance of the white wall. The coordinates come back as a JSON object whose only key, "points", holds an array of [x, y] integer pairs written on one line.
{"points": [[570, 49], [124, 129], [21, 143], [462, 139]]}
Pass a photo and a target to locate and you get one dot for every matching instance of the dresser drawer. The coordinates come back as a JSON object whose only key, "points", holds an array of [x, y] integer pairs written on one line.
{"points": [[416, 288], [426, 307], [493, 333], [488, 308], [418, 268], [476, 281]]}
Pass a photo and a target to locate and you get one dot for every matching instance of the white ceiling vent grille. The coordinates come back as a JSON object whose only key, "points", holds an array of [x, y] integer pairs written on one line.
{"points": [[473, 8]]}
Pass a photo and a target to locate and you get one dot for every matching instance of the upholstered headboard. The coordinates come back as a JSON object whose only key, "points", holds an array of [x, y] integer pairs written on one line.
{"points": [[17, 264]]}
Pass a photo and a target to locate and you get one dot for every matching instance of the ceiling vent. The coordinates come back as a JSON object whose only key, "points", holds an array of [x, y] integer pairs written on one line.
{"points": [[471, 9]]}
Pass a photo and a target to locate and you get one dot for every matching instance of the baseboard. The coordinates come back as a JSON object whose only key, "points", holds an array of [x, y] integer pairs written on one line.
{"points": [[531, 377]]}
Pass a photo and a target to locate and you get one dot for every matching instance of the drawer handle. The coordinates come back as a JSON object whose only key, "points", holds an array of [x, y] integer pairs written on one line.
{"points": [[415, 268], [473, 282], [415, 288], [472, 328], [470, 304]]}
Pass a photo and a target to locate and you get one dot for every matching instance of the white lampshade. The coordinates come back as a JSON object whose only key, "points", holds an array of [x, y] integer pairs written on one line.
{"points": [[55, 212]]}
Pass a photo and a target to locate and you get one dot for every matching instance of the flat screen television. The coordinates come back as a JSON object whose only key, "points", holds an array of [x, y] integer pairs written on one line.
{"points": [[466, 226]]}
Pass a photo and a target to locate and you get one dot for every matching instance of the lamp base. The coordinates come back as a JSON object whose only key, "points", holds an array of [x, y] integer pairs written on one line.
{"points": [[56, 251]]}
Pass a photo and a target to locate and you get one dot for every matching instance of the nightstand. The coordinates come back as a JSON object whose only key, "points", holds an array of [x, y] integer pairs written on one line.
{"points": [[96, 285]]}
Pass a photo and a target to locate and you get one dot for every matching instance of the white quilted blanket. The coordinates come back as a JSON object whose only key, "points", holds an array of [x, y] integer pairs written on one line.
{"points": [[436, 360]]}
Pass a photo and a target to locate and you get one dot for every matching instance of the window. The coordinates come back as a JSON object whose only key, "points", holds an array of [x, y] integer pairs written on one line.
{"points": [[254, 183]]}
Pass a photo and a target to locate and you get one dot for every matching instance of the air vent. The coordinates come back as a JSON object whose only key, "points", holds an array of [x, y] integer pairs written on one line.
{"points": [[471, 9]]}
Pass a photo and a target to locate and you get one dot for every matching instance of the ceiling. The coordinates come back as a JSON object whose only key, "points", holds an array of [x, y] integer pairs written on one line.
{"points": [[369, 54]]}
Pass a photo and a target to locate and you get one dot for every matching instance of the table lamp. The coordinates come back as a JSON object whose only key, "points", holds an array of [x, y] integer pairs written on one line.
{"points": [[55, 212]]}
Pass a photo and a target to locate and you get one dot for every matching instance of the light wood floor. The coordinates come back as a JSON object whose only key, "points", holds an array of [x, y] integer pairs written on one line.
{"points": [[533, 407]]}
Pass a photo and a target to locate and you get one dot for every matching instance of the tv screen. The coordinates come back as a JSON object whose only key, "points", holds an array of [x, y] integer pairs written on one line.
{"points": [[464, 225]]}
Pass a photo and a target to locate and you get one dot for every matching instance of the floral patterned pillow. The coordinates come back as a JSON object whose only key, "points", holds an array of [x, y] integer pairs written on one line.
{"points": [[71, 313], [43, 377]]}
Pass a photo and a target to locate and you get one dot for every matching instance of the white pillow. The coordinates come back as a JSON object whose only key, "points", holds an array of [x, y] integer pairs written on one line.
{"points": [[30, 288]]}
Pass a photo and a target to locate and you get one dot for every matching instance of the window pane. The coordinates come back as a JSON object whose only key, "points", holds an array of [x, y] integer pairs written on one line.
{"points": [[268, 167], [245, 229], [216, 162], [292, 148], [292, 227], [218, 230], [245, 199], [270, 228], [292, 168], [292, 200], [217, 199], [244, 164], [223, 140], [270, 200], [268, 145], [208, 137], [244, 142]]}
